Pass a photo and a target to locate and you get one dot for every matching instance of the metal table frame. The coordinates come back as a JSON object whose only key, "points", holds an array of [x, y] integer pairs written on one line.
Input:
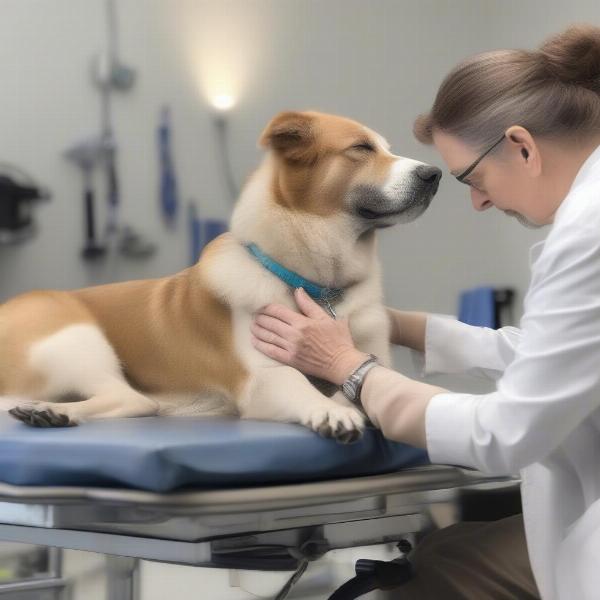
{"points": [[264, 528]]}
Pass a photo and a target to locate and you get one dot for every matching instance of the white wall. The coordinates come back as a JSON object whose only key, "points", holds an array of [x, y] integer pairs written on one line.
{"points": [[379, 62]]}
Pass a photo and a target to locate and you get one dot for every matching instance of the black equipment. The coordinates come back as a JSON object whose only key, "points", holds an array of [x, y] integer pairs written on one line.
{"points": [[17, 198]]}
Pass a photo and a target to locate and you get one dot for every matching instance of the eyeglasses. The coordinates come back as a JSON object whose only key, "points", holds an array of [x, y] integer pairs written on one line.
{"points": [[470, 168]]}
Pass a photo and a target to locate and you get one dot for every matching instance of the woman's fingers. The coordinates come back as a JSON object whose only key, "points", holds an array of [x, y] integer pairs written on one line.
{"points": [[281, 312], [269, 337], [267, 324], [274, 352], [308, 306]]}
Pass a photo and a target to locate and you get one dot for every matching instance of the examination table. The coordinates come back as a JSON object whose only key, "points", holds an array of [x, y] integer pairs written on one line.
{"points": [[213, 492]]}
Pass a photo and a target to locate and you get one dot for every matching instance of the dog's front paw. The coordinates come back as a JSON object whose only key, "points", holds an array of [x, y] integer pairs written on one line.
{"points": [[344, 424], [37, 417]]}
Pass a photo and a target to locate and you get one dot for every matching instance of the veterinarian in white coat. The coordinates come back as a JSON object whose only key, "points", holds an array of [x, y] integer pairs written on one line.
{"points": [[522, 129]]}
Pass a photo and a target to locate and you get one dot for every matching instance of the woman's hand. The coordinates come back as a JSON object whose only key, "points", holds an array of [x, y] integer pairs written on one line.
{"points": [[310, 341]]}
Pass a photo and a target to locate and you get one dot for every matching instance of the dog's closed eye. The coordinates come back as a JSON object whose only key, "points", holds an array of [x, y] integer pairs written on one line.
{"points": [[364, 146]]}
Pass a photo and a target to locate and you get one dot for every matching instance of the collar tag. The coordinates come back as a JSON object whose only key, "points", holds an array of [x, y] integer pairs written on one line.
{"points": [[329, 308]]}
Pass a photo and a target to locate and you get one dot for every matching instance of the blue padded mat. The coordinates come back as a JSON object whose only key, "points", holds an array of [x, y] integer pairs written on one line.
{"points": [[164, 454]]}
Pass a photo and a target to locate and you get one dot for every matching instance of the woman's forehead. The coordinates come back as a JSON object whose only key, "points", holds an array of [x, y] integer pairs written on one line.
{"points": [[456, 154]]}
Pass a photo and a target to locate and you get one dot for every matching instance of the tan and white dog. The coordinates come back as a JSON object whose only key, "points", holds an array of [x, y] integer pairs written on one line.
{"points": [[181, 345]]}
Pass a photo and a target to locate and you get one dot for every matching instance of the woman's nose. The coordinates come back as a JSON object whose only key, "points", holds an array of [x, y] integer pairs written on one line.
{"points": [[480, 200]]}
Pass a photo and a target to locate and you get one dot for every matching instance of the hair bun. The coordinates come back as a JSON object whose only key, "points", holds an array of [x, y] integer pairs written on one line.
{"points": [[573, 56]]}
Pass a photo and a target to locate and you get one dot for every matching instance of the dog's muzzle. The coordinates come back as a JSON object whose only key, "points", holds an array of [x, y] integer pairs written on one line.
{"points": [[401, 202]]}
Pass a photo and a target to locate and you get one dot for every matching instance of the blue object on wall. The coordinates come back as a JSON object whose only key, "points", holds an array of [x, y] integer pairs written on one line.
{"points": [[168, 183], [478, 307], [202, 231], [213, 228]]}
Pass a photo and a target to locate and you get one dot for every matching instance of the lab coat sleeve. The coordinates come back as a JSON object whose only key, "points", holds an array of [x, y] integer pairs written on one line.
{"points": [[455, 347], [552, 385]]}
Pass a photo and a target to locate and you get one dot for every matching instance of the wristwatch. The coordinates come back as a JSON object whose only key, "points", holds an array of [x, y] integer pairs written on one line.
{"points": [[352, 387]]}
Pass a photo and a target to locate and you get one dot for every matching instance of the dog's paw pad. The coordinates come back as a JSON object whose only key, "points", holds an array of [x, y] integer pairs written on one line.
{"points": [[36, 417], [349, 436], [343, 424]]}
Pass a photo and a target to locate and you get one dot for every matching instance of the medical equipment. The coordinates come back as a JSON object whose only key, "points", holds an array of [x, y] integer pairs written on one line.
{"points": [[216, 492], [108, 71], [18, 194], [134, 245], [168, 182], [85, 155], [109, 74]]}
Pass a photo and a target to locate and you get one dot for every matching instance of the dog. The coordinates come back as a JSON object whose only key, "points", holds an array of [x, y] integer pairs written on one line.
{"points": [[181, 345]]}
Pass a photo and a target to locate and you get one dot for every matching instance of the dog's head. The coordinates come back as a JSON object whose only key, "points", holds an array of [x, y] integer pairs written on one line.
{"points": [[325, 164]]}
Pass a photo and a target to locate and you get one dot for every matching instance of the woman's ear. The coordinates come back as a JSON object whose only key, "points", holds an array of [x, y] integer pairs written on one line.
{"points": [[526, 148], [291, 135]]}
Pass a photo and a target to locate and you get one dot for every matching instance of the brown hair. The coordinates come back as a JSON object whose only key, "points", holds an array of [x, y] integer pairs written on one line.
{"points": [[553, 91]]}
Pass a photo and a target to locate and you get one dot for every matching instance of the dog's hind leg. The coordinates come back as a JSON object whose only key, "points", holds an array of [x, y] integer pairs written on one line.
{"points": [[116, 399], [9, 402], [79, 360]]}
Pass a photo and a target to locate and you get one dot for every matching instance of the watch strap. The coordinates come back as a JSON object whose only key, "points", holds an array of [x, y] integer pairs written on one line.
{"points": [[352, 387]]}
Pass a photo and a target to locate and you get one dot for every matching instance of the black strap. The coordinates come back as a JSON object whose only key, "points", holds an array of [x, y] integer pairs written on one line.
{"points": [[374, 575]]}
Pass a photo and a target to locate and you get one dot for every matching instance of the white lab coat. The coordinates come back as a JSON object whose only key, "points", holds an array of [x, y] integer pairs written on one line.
{"points": [[543, 420]]}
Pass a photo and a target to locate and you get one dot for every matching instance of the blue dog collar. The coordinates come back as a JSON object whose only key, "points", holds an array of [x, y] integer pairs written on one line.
{"points": [[324, 294]]}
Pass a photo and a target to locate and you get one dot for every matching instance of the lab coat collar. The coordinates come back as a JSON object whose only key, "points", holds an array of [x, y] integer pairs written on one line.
{"points": [[590, 169], [535, 251]]}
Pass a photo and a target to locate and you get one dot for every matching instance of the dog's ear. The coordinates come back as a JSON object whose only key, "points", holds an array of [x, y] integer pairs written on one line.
{"points": [[290, 134]]}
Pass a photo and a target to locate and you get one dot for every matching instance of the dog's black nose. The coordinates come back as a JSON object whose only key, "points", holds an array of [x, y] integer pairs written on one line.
{"points": [[428, 173]]}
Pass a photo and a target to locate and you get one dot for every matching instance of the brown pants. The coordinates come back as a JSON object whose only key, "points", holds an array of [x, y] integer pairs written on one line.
{"points": [[472, 561]]}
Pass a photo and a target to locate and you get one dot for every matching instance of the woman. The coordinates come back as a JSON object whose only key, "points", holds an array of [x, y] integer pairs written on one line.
{"points": [[522, 130]]}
